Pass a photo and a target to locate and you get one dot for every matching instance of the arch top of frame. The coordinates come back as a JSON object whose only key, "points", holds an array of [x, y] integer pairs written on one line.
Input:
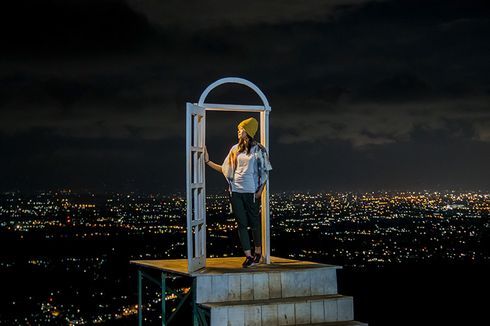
{"points": [[234, 80]]}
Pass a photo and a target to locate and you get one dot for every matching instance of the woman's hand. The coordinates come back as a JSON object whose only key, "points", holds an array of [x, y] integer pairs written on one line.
{"points": [[210, 163], [206, 155], [258, 193]]}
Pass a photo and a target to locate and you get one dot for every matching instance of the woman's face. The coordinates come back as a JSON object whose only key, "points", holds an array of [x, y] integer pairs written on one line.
{"points": [[242, 134]]}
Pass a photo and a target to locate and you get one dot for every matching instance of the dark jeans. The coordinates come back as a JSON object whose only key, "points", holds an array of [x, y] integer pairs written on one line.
{"points": [[247, 214]]}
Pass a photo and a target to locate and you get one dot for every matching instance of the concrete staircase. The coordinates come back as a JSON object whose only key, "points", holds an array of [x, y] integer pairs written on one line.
{"points": [[286, 292]]}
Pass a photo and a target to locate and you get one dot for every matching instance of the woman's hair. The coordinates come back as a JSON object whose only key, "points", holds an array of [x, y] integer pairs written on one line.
{"points": [[243, 144]]}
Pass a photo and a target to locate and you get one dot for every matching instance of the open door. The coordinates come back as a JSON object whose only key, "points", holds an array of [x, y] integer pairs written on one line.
{"points": [[196, 190]]}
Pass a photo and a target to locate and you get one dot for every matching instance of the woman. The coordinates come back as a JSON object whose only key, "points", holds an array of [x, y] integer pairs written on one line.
{"points": [[246, 168]]}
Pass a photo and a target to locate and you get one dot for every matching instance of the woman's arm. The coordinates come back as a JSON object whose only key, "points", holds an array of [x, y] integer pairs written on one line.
{"points": [[210, 163], [214, 166]]}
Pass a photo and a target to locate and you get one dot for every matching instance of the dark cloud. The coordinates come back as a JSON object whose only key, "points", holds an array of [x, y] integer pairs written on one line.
{"points": [[197, 15], [79, 27], [40, 159], [369, 123], [393, 88]]}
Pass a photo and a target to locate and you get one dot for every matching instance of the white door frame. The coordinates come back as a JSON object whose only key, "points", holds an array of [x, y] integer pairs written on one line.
{"points": [[264, 111]]}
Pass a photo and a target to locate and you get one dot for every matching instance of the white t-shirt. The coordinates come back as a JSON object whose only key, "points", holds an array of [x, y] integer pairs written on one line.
{"points": [[245, 179]]}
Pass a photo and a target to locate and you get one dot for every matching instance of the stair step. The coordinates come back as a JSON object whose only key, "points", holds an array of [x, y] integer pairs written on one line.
{"points": [[258, 285], [282, 311], [272, 301], [341, 323]]}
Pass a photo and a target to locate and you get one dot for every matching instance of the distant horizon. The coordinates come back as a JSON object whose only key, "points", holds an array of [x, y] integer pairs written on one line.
{"points": [[213, 193]]}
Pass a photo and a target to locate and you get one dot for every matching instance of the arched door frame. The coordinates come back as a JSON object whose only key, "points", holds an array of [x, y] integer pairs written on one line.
{"points": [[195, 142]]}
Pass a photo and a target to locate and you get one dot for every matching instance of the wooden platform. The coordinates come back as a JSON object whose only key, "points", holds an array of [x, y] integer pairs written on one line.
{"points": [[229, 265]]}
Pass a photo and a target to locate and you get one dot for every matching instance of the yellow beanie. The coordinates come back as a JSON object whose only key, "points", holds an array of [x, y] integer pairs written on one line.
{"points": [[250, 125]]}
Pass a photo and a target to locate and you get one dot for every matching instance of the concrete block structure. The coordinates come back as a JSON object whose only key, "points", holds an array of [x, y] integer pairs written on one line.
{"points": [[284, 292]]}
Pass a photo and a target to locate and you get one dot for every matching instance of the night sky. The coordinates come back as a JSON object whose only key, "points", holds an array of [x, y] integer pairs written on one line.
{"points": [[365, 95]]}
